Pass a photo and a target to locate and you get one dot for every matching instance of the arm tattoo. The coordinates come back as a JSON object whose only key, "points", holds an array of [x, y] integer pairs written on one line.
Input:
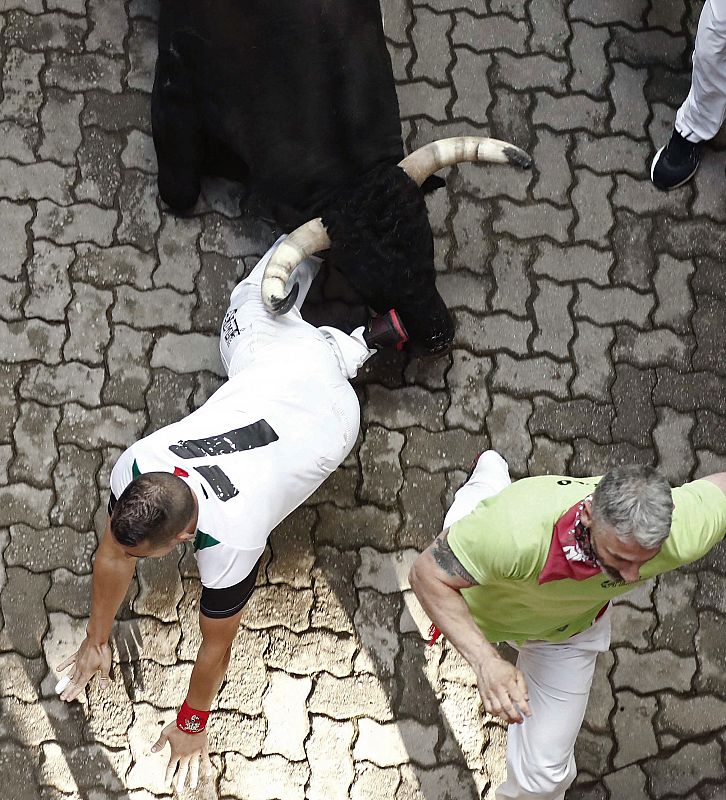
{"points": [[448, 562]]}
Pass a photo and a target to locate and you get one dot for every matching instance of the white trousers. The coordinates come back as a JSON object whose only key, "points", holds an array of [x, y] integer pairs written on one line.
{"points": [[703, 111], [249, 328], [540, 751]]}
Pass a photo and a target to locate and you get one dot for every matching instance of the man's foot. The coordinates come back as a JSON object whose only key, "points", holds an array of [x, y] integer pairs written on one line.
{"points": [[676, 163], [385, 330]]}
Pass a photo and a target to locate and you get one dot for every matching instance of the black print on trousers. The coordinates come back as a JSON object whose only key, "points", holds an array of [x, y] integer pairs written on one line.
{"points": [[217, 478], [258, 434]]}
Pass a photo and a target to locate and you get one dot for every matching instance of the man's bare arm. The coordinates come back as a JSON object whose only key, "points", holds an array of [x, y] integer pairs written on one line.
{"points": [[437, 578], [112, 573]]}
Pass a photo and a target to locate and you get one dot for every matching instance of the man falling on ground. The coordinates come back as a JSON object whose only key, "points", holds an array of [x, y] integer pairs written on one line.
{"points": [[223, 478], [536, 563]]}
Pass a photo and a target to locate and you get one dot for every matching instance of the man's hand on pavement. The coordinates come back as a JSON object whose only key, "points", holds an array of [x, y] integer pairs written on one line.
{"points": [[502, 688], [188, 751], [89, 659]]}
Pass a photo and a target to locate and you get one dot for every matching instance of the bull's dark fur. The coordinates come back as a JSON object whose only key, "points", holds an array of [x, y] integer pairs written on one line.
{"points": [[297, 99], [382, 242]]}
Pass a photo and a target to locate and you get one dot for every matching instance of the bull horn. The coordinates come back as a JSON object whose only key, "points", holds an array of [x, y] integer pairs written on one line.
{"points": [[302, 242], [430, 158]]}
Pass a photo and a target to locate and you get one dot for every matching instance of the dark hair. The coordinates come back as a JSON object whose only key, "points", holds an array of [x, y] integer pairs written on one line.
{"points": [[153, 507]]}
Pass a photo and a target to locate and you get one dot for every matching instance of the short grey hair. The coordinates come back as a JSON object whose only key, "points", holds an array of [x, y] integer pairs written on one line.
{"points": [[637, 502]]}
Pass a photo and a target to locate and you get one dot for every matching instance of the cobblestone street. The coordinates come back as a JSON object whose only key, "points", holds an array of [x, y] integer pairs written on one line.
{"points": [[590, 312]]}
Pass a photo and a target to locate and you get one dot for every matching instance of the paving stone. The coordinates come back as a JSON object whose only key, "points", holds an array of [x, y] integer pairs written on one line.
{"points": [[311, 652], [22, 93], [48, 549], [690, 392], [708, 200], [466, 381], [12, 294], [688, 238], [179, 261], [499, 32], [13, 246], [563, 420], [84, 767], [163, 686], [380, 465], [609, 154], [509, 268], [246, 679], [59, 120], [635, 261], [116, 112], [538, 220], [509, 116], [18, 142], [635, 417], [642, 197], [631, 626], [423, 513], [142, 55], [610, 11], [98, 162], [593, 459], [551, 28], [331, 764], [80, 222], [627, 782], [380, 643], [22, 610], [83, 71], [412, 406], [160, 587], [139, 154], [523, 377], [436, 452], [167, 398], [548, 457], [462, 289], [335, 598], [427, 34], [292, 550], [591, 350], [587, 51], [153, 308], [653, 671], [387, 573], [264, 778], [21, 677], [74, 481], [200, 352], [553, 171], [551, 308], [15, 762], [416, 681], [70, 593], [672, 440], [605, 306], [710, 651], [591, 198], [347, 698], [35, 447], [147, 769], [708, 326], [372, 781], [643, 47], [139, 212], [569, 112], [602, 696], [472, 251], [111, 425], [415, 95], [626, 89], [525, 72], [20, 503], [592, 752], [507, 424], [675, 303], [709, 430], [127, 359], [391, 744], [709, 462], [633, 728], [112, 266], [32, 181], [688, 717], [684, 770], [50, 290], [89, 329], [279, 605], [580, 262], [215, 282], [109, 27], [495, 332], [287, 721]]}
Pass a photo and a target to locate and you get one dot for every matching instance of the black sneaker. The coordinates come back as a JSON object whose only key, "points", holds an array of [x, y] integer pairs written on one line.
{"points": [[676, 163], [385, 330]]}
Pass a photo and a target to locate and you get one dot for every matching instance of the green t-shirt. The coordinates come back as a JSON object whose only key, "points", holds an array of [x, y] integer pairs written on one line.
{"points": [[505, 542]]}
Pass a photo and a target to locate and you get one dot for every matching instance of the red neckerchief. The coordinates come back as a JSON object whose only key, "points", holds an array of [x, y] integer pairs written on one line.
{"points": [[567, 558]]}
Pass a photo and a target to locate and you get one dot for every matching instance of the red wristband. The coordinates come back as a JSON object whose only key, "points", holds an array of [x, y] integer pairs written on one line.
{"points": [[190, 720]]}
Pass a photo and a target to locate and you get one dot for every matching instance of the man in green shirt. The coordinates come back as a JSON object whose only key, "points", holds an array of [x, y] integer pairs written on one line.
{"points": [[536, 563]]}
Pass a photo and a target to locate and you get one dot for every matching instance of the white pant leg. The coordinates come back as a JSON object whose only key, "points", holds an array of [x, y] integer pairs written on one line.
{"points": [[703, 111], [540, 751], [490, 476]]}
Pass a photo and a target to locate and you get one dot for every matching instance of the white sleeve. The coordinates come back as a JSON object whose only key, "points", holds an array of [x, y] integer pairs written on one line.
{"points": [[122, 473]]}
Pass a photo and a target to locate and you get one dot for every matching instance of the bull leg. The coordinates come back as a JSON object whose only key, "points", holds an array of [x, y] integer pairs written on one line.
{"points": [[178, 136]]}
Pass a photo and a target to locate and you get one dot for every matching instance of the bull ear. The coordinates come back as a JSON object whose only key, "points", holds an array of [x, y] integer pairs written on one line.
{"points": [[432, 183]]}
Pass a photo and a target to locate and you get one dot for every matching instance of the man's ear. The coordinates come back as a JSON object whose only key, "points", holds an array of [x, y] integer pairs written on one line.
{"points": [[185, 536], [432, 183], [586, 514]]}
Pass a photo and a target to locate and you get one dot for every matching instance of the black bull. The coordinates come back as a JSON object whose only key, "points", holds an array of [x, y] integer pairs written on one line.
{"points": [[297, 98]]}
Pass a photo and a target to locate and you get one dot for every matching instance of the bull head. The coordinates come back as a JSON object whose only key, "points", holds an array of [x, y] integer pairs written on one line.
{"points": [[425, 315]]}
